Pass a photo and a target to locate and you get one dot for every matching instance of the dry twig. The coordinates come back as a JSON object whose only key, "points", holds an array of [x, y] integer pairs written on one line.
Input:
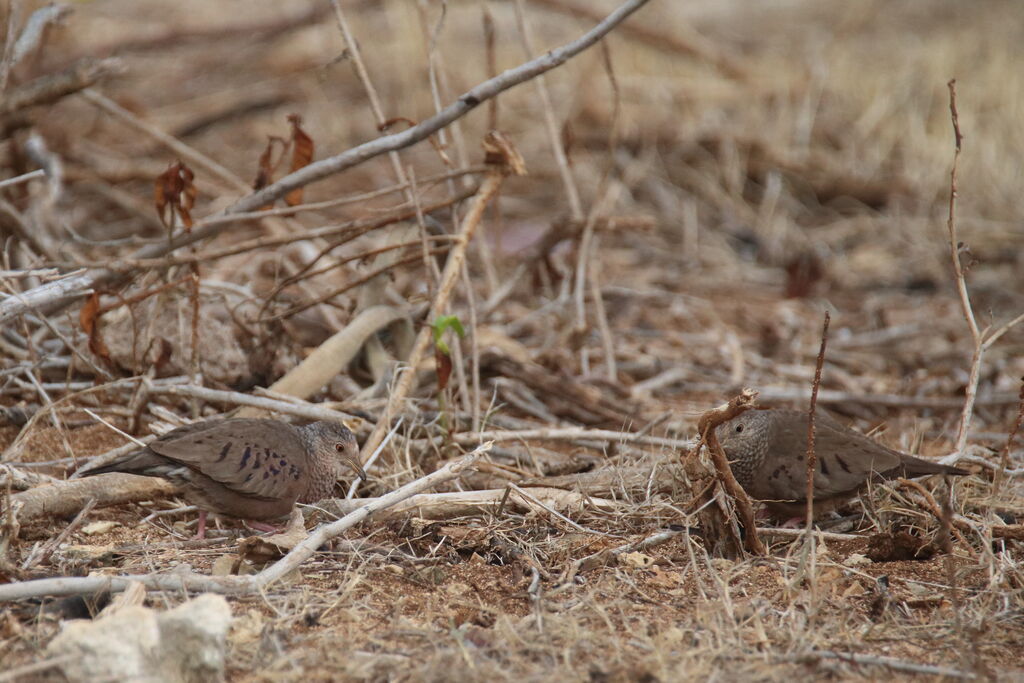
{"points": [[706, 428]]}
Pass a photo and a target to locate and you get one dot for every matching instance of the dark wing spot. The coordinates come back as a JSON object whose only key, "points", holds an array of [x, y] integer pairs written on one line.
{"points": [[224, 452], [842, 463], [823, 466], [266, 475], [246, 454], [283, 462], [247, 478]]}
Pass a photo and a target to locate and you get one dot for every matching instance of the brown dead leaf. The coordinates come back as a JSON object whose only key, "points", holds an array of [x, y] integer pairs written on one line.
{"points": [[392, 121], [444, 368], [175, 194], [88, 317], [266, 165], [262, 549], [302, 154], [464, 535]]}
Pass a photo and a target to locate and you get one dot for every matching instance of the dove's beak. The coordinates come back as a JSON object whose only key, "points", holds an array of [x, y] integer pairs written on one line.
{"points": [[353, 460]]}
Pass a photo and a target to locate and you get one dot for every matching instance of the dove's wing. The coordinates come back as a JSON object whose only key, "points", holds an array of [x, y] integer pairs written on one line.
{"points": [[251, 457]]}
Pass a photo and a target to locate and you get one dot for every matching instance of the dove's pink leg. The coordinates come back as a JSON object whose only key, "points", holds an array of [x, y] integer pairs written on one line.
{"points": [[201, 531]]}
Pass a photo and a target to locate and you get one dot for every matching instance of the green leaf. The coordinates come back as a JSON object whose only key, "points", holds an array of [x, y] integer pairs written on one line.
{"points": [[441, 325]]}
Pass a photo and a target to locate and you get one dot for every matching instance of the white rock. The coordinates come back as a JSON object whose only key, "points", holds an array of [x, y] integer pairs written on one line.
{"points": [[636, 560], [99, 527], [857, 560], [186, 644]]}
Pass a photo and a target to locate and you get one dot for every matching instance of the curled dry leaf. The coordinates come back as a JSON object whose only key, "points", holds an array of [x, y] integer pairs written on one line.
{"points": [[175, 193], [266, 165], [88, 317]]}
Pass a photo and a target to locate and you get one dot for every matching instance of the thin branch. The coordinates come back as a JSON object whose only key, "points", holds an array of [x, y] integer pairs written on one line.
{"points": [[352, 46], [299, 409], [563, 434], [23, 178], [812, 457], [958, 273], [884, 662]]}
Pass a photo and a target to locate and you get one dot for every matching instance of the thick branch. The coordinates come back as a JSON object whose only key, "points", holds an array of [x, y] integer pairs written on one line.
{"points": [[66, 498]]}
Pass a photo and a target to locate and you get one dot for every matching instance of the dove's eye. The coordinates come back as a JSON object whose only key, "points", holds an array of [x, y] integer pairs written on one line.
{"points": [[739, 428]]}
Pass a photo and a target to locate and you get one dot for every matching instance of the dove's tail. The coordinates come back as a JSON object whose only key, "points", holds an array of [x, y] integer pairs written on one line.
{"points": [[917, 467]]}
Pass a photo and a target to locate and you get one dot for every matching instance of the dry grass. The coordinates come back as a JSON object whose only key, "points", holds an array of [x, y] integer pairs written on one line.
{"points": [[831, 157]]}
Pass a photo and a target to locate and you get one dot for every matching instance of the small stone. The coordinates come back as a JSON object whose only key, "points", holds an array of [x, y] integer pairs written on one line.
{"points": [[246, 628], [857, 560], [722, 564], [84, 553], [636, 560], [99, 527], [224, 565]]}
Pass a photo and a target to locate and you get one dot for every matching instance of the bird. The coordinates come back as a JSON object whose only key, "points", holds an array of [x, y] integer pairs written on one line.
{"points": [[253, 469], [767, 453]]}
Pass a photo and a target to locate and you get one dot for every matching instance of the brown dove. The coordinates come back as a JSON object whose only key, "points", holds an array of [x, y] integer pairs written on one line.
{"points": [[767, 452], [254, 469]]}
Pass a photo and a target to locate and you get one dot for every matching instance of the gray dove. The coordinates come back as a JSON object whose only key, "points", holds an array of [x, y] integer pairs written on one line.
{"points": [[254, 469], [767, 452]]}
